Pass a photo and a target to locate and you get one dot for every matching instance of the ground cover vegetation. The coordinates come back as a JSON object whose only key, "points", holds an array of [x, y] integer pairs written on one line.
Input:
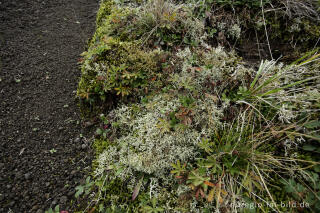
{"points": [[196, 127]]}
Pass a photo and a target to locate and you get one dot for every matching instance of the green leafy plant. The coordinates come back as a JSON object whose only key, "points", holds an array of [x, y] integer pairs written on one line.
{"points": [[52, 151], [55, 210], [153, 208], [308, 193], [106, 127], [86, 188]]}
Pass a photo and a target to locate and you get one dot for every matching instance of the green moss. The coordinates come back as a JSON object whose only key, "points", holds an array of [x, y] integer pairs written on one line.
{"points": [[115, 24], [312, 29], [100, 145], [116, 196], [104, 11], [299, 31], [116, 67]]}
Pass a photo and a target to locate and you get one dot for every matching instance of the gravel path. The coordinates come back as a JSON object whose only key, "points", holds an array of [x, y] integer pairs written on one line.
{"points": [[42, 157]]}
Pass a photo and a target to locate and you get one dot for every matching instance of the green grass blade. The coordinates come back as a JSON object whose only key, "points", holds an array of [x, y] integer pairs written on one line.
{"points": [[309, 60], [258, 74], [303, 57], [285, 87]]}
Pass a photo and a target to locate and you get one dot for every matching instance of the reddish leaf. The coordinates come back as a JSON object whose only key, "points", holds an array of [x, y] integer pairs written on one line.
{"points": [[137, 188], [92, 210], [197, 194], [209, 183], [202, 193]]}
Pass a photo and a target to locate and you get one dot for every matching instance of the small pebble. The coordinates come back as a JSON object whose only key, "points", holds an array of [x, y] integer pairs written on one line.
{"points": [[71, 193], [77, 140], [27, 176], [54, 202], [63, 199], [34, 208], [47, 195]]}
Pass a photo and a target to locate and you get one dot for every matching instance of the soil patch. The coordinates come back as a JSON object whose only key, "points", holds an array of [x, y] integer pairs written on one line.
{"points": [[42, 156]]}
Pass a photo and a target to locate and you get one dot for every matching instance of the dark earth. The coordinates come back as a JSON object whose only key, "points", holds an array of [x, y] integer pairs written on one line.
{"points": [[44, 152]]}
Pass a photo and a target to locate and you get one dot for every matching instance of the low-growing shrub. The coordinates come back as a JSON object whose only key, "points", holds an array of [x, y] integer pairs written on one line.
{"points": [[117, 67], [220, 150]]}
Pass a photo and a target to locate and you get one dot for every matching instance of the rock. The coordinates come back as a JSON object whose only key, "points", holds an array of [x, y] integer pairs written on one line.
{"points": [[19, 176], [39, 211], [12, 203], [73, 172], [34, 208], [47, 195], [63, 200], [71, 193], [1, 197], [77, 140], [11, 195], [83, 146], [9, 186], [82, 181], [27, 176], [47, 184], [54, 202]]}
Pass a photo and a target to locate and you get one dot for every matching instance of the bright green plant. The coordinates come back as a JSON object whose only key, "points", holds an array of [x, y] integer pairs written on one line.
{"points": [[55, 210]]}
